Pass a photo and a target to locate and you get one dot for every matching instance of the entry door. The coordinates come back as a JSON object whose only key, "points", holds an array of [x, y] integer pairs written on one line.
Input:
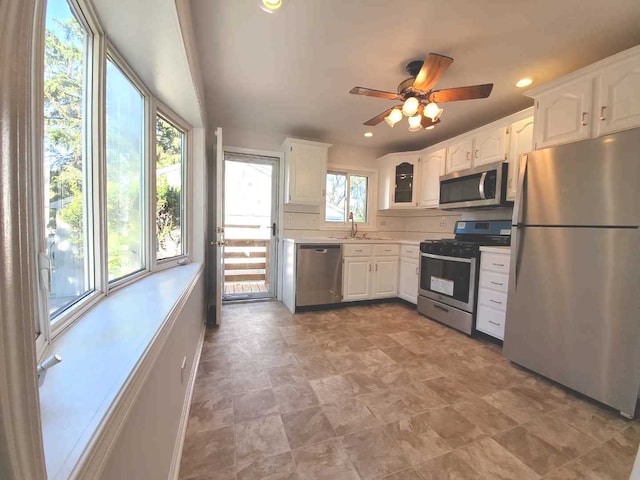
{"points": [[250, 248]]}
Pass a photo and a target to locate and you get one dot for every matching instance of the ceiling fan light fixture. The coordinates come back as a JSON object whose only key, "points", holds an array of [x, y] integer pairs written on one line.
{"points": [[270, 6], [415, 123], [394, 117], [368, 134], [432, 111], [410, 106]]}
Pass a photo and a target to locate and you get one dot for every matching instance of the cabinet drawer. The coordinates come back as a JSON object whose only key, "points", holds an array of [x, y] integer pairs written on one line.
{"points": [[382, 250], [494, 281], [490, 321], [493, 299], [356, 250], [410, 251], [495, 262]]}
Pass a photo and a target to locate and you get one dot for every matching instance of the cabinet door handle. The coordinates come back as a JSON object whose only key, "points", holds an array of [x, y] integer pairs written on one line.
{"points": [[495, 301], [369, 267], [584, 119], [496, 283], [498, 264], [494, 323], [602, 110], [417, 271], [376, 267], [468, 155], [475, 155]]}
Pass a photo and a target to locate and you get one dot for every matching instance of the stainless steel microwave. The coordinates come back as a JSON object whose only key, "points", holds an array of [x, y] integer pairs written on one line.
{"points": [[480, 187]]}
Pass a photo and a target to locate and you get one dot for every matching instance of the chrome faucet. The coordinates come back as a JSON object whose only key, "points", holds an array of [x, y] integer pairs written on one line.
{"points": [[354, 227]]}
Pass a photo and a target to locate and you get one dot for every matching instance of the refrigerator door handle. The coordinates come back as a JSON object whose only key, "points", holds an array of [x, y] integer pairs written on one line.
{"points": [[481, 186], [522, 173], [517, 237]]}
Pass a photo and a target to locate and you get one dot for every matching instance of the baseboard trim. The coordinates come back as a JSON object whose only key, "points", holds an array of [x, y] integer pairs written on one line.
{"points": [[174, 471]]}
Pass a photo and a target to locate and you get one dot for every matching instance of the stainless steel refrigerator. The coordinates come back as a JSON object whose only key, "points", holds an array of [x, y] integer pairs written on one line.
{"points": [[573, 311]]}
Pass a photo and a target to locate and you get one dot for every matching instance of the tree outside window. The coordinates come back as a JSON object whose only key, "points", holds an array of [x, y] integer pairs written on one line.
{"points": [[346, 193]]}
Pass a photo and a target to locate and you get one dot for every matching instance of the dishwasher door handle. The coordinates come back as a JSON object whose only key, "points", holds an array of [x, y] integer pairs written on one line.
{"points": [[321, 250]]}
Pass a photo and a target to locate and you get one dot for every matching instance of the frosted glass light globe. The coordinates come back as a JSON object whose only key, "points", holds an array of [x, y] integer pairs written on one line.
{"points": [[410, 106]]}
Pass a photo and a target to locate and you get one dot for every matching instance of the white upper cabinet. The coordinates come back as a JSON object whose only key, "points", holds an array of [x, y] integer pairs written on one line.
{"points": [[305, 171], [490, 145], [459, 154], [564, 115], [398, 181], [432, 166], [619, 98], [596, 100], [520, 141]]}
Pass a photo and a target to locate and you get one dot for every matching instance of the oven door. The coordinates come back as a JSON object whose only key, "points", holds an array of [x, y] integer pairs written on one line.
{"points": [[450, 280]]}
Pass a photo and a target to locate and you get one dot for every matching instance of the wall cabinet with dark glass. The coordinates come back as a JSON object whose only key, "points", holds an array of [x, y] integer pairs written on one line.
{"points": [[398, 180]]}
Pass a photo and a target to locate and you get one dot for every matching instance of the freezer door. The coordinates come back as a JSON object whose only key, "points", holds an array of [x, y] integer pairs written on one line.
{"points": [[593, 182], [573, 311]]}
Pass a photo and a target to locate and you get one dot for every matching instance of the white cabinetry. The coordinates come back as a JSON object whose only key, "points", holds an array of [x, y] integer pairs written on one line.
{"points": [[520, 141], [305, 170], [619, 97], [564, 115], [397, 189], [490, 145], [492, 291], [459, 154], [596, 100], [369, 271], [408, 276], [432, 166]]}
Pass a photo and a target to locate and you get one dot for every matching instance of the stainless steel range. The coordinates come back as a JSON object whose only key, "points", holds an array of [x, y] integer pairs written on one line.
{"points": [[449, 271]]}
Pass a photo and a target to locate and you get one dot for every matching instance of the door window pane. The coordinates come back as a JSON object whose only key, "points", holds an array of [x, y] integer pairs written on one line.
{"points": [[358, 197], [170, 201], [125, 161], [335, 210], [66, 191]]}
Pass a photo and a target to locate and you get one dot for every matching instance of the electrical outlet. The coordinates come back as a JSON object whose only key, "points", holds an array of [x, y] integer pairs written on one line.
{"points": [[290, 218], [443, 222]]}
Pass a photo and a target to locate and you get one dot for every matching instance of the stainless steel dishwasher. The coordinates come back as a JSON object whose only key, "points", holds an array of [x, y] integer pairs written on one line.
{"points": [[318, 275]]}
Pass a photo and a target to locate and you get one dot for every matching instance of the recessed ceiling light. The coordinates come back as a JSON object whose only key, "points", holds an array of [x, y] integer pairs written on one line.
{"points": [[368, 134], [270, 6], [524, 82]]}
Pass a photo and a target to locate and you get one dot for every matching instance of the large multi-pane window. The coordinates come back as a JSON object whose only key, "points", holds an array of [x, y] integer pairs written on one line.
{"points": [[66, 165], [96, 215], [125, 174], [170, 155], [346, 193]]}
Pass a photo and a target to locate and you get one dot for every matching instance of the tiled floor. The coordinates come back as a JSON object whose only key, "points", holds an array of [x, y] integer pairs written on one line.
{"points": [[377, 391]]}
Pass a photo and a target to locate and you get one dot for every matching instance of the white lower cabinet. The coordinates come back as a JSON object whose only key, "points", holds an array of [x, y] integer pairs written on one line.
{"points": [[492, 291], [369, 271], [408, 278], [356, 283]]}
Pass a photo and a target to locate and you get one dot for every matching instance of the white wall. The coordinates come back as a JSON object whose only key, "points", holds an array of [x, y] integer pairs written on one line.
{"points": [[147, 442]]}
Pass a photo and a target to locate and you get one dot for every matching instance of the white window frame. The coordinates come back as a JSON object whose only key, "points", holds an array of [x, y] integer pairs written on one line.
{"points": [[372, 205], [99, 50], [113, 55], [93, 141], [159, 109]]}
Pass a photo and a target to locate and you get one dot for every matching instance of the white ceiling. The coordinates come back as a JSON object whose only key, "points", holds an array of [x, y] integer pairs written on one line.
{"points": [[290, 73]]}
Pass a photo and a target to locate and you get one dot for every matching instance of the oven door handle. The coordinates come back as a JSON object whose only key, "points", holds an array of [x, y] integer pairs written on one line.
{"points": [[442, 257], [483, 178]]}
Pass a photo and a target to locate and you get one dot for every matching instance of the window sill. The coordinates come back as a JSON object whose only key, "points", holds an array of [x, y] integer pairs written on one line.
{"points": [[102, 354]]}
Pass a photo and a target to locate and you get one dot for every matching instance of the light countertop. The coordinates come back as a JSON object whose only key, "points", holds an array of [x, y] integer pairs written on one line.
{"points": [[339, 241], [502, 250]]}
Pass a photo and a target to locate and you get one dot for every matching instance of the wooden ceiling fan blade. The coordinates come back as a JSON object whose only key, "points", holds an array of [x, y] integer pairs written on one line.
{"points": [[432, 69], [378, 118], [375, 93], [461, 93], [426, 122]]}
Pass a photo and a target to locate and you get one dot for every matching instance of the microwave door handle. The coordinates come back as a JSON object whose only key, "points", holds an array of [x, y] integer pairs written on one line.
{"points": [[483, 177]]}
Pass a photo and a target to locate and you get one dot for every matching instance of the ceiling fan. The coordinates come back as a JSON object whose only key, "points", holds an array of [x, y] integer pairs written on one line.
{"points": [[420, 101]]}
